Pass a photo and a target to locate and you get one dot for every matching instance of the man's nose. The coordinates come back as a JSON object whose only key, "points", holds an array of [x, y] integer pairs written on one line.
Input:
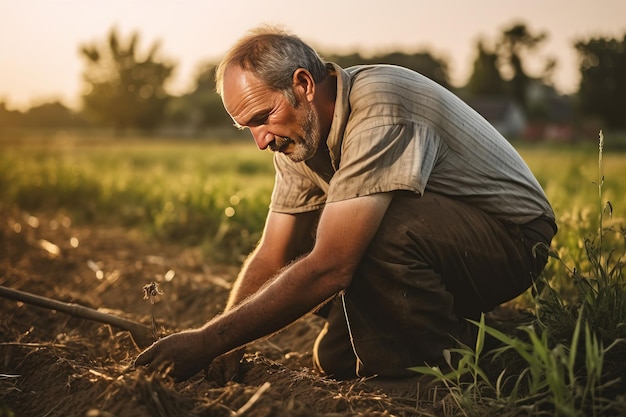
{"points": [[261, 136]]}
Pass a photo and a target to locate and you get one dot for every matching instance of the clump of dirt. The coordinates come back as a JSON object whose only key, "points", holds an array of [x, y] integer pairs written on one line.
{"points": [[53, 364]]}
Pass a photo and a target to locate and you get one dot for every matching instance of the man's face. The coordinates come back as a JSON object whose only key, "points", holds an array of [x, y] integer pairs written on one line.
{"points": [[274, 122]]}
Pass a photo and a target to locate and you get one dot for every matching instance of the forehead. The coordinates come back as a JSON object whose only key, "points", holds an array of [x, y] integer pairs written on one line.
{"points": [[244, 94]]}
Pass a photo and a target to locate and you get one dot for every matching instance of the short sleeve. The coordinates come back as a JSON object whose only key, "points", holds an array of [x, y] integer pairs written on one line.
{"points": [[297, 189], [385, 157]]}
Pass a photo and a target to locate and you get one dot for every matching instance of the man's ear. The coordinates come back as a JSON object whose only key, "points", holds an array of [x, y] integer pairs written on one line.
{"points": [[303, 84]]}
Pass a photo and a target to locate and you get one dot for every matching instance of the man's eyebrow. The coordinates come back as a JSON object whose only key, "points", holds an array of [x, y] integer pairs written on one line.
{"points": [[257, 118], [240, 126]]}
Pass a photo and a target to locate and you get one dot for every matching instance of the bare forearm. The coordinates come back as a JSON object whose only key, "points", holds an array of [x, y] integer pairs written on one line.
{"points": [[265, 262], [255, 272], [257, 310], [296, 291]]}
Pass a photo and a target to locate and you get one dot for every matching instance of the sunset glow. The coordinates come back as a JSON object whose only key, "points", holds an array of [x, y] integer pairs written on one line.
{"points": [[39, 39]]}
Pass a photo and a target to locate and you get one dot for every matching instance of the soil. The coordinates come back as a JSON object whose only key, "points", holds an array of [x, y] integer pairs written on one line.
{"points": [[54, 364]]}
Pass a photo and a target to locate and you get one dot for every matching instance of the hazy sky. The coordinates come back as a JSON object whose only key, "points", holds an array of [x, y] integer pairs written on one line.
{"points": [[39, 39]]}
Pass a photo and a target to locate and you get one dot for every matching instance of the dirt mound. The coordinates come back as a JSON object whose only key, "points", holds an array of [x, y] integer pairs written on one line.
{"points": [[54, 364]]}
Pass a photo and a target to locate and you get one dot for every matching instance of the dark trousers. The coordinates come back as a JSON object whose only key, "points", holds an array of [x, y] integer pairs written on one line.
{"points": [[434, 262]]}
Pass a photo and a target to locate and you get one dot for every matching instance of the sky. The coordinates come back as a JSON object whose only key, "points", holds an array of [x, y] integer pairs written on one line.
{"points": [[40, 39]]}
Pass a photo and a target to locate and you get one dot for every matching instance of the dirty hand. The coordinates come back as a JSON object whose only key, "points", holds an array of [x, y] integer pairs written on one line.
{"points": [[226, 367], [180, 354]]}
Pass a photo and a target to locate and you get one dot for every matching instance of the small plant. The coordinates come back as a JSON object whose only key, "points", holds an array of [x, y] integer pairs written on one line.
{"points": [[150, 292]]}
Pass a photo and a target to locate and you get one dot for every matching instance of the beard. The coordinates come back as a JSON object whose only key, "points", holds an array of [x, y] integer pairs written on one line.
{"points": [[306, 147]]}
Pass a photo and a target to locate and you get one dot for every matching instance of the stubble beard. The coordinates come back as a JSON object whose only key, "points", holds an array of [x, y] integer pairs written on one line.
{"points": [[307, 146]]}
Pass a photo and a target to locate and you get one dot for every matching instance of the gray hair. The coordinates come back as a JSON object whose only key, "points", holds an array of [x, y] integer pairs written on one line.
{"points": [[272, 55]]}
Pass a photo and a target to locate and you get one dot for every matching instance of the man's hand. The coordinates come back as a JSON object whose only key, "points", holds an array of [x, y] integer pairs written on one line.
{"points": [[180, 354], [345, 230]]}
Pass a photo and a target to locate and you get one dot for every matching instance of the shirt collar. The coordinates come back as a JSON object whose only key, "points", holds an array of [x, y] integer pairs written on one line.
{"points": [[341, 114]]}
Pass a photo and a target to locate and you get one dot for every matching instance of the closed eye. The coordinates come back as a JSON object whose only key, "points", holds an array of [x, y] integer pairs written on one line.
{"points": [[258, 120], [255, 121]]}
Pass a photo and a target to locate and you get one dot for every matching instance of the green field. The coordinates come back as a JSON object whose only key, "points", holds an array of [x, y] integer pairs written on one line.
{"points": [[570, 176], [196, 192], [214, 194]]}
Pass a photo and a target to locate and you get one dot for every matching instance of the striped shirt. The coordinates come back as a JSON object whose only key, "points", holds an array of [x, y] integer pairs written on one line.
{"points": [[394, 129]]}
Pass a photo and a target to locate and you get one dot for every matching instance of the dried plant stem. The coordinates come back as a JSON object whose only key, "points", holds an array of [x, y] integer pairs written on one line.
{"points": [[248, 405], [150, 291]]}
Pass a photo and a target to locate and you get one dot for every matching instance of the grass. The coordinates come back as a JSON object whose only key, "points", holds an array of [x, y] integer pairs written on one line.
{"points": [[214, 193], [567, 360], [204, 192]]}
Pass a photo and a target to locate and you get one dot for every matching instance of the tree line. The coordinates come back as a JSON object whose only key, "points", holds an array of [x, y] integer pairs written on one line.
{"points": [[125, 88]]}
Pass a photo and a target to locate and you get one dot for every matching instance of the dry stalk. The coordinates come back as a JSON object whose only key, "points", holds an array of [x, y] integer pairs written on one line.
{"points": [[150, 292]]}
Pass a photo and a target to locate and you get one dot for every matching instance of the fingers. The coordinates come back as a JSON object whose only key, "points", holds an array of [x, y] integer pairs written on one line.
{"points": [[153, 359], [179, 355], [157, 359], [146, 357], [156, 363]]}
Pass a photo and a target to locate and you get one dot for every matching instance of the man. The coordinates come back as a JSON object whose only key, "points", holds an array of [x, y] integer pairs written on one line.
{"points": [[397, 213]]}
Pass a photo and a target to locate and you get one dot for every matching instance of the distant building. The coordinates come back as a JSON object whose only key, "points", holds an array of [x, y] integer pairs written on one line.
{"points": [[551, 115], [505, 114]]}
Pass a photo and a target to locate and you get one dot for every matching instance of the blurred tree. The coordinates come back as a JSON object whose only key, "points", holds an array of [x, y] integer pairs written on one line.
{"points": [[423, 62], [513, 44], [10, 118], [53, 114], [205, 98], [602, 90], [202, 107], [346, 61], [486, 79], [123, 88]]}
